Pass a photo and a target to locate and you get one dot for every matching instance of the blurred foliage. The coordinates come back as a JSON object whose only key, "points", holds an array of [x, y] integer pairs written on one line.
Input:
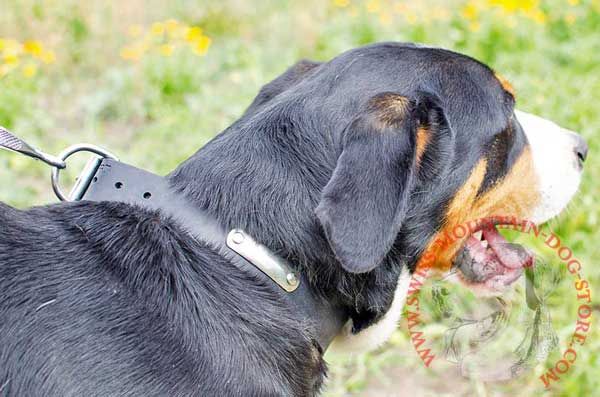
{"points": [[153, 81]]}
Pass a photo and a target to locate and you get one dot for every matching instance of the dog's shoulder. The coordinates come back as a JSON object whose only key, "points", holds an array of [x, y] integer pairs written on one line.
{"points": [[140, 296]]}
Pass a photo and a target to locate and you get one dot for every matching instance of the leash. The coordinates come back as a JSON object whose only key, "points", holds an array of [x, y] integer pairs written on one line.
{"points": [[105, 178]]}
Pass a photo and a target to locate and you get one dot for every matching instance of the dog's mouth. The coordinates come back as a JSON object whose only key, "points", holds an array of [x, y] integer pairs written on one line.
{"points": [[490, 262]]}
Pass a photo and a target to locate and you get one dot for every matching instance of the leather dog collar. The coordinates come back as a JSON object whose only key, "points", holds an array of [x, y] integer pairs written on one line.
{"points": [[105, 178], [116, 181]]}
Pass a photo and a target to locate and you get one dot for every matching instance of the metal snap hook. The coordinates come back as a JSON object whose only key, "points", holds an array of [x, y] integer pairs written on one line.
{"points": [[11, 142], [86, 175]]}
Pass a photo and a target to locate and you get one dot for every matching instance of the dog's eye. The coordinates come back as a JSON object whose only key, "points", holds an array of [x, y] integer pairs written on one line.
{"points": [[500, 145], [497, 153]]}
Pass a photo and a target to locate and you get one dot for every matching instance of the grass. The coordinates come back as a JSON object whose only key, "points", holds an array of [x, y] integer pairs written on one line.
{"points": [[155, 107]]}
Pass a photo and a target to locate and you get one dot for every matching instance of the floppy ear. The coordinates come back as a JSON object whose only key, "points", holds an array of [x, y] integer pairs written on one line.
{"points": [[363, 204]]}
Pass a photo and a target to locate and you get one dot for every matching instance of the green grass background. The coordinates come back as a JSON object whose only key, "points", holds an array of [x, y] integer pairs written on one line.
{"points": [[157, 111]]}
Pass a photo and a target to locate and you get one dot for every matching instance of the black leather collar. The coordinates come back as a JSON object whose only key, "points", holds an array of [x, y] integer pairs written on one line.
{"points": [[116, 181]]}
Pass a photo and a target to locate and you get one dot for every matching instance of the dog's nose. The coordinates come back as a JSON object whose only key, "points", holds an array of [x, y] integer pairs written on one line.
{"points": [[581, 149]]}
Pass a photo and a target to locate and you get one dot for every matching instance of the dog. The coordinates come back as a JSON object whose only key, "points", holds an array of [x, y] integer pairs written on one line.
{"points": [[349, 169]]}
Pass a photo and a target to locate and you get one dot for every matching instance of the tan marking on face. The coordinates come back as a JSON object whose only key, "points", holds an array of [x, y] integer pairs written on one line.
{"points": [[390, 108], [516, 195], [423, 136], [506, 85]]}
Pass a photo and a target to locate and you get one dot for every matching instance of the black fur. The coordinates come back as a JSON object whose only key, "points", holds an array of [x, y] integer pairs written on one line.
{"points": [[109, 299]]}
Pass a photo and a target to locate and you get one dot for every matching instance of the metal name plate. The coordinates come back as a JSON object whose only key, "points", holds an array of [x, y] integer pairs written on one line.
{"points": [[263, 259]]}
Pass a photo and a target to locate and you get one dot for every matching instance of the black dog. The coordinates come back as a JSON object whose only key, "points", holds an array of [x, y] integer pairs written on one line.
{"points": [[348, 169]]}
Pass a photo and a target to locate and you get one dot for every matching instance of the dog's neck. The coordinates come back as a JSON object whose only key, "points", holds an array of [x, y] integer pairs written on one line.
{"points": [[263, 178], [266, 177]]}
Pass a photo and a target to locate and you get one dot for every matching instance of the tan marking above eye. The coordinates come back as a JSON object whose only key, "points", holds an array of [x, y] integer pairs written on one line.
{"points": [[390, 108], [515, 195], [506, 85]]}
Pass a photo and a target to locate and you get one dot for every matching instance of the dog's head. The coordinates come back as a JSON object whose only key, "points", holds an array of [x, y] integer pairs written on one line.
{"points": [[425, 139], [430, 139]]}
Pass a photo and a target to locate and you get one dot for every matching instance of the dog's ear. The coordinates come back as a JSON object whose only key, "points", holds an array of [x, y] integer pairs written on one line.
{"points": [[363, 204]]}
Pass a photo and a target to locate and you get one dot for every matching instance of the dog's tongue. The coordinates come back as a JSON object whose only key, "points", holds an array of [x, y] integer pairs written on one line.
{"points": [[510, 255], [496, 265]]}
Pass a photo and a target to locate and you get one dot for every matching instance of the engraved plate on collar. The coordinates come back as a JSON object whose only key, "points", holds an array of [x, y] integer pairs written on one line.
{"points": [[261, 257]]}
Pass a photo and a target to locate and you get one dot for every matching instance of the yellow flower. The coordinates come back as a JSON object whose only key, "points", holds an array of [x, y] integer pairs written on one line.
{"points": [[164, 38], [193, 34], [10, 57], [12, 52], [131, 53], [474, 26], [166, 50], [373, 6], [48, 57], [33, 47], [411, 17], [179, 32], [515, 5], [176, 29], [171, 26], [469, 11], [537, 15], [29, 70], [341, 3], [157, 29], [135, 31], [201, 46], [573, 2]]}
